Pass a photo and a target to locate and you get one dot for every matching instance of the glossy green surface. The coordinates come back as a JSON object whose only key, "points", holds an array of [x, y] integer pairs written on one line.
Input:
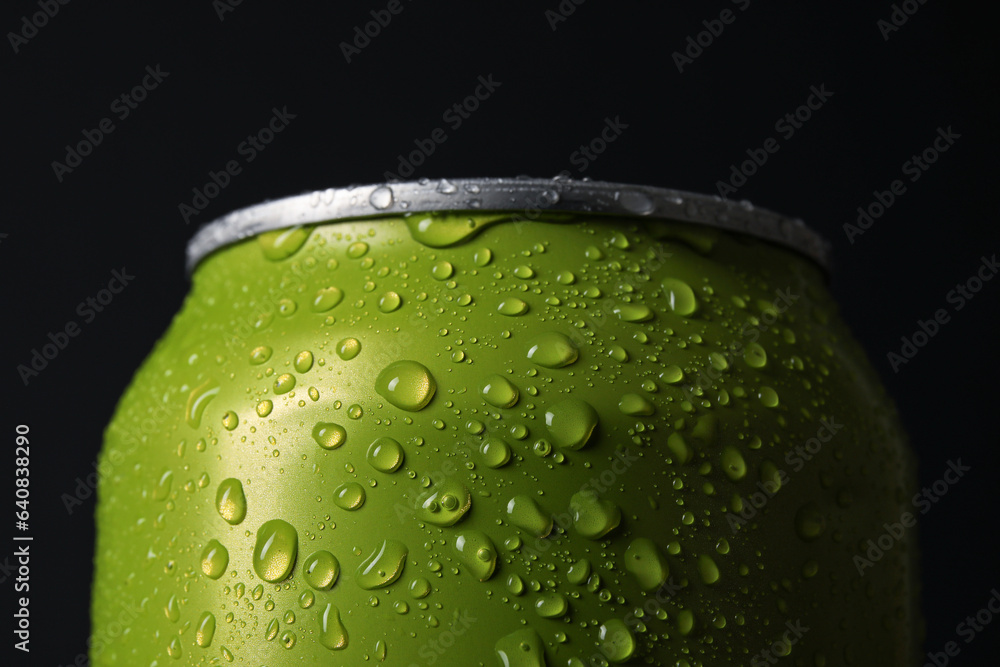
{"points": [[454, 441]]}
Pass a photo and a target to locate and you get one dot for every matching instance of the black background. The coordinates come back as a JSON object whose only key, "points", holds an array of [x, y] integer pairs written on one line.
{"points": [[119, 208]]}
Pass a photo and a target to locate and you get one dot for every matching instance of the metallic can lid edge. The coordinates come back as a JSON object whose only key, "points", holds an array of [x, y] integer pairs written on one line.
{"points": [[529, 196]]}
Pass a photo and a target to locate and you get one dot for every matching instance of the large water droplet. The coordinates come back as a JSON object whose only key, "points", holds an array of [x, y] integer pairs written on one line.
{"points": [[571, 422], [329, 435], [198, 399], [348, 348], [496, 453], [809, 522], [439, 230], [326, 299], [593, 517], [385, 454], [230, 501], [617, 642], [332, 633], [512, 307], [478, 553], [645, 561], [633, 312], [708, 569], [635, 405], [349, 496], [445, 504], [525, 513], [205, 629], [321, 570], [499, 392], [680, 297], [406, 384], [552, 350], [383, 566], [733, 463], [275, 551], [551, 605], [521, 648], [214, 559], [283, 243], [636, 202], [755, 356], [162, 488], [381, 197]]}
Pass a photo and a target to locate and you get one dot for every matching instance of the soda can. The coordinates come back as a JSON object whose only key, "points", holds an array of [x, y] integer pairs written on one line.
{"points": [[513, 421]]}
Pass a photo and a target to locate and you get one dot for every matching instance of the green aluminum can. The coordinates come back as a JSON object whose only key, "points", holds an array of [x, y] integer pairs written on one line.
{"points": [[513, 422]]}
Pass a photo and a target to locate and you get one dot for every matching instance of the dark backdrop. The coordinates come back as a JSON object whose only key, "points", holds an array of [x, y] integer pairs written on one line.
{"points": [[687, 115]]}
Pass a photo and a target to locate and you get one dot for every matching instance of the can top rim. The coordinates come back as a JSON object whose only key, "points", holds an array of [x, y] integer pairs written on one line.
{"points": [[530, 196]]}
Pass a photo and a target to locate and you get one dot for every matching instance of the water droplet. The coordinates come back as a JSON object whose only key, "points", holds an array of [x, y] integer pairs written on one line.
{"points": [[496, 453], [438, 230], [349, 496], [478, 553], [406, 384], [162, 488], [306, 599], [172, 610], [389, 302], [445, 504], [521, 648], [633, 312], [499, 392], [571, 422], [512, 307], [525, 513], [214, 559], [755, 356], [264, 408], [645, 561], [332, 633], [385, 455], [326, 299], [303, 361], [275, 551], [579, 572], [230, 501], [284, 383], [205, 630], [552, 350], [230, 420], [809, 522], [515, 584], [636, 202], [768, 397], [381, 197], [524, 272], [443, 270], [679, 447], [708, 569], [733, 464], [551, 605], [174, 649], [329, 435], [635, 405], [283, 243], [593, 517], [383, 566], [680, 297], [482, 256], [617, 642], [618, 353], [348, 348], [420, 588], [260, 354], [321, 570], [198, 399], [672, 374]]}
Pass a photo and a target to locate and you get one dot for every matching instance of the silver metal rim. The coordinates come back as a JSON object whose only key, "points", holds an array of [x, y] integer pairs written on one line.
{"points": [[530, 197]]}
